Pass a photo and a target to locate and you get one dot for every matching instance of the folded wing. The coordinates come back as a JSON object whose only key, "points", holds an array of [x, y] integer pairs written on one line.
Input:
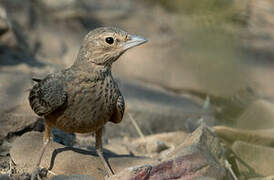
{"points": [[48, 95]]}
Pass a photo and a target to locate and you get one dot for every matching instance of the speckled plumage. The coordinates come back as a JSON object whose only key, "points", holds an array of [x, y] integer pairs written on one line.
{"points": [[77, 101], [85, 96]]}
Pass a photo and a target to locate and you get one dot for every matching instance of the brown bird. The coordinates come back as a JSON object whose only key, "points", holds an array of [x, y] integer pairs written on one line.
{"points": [[84, 97]]}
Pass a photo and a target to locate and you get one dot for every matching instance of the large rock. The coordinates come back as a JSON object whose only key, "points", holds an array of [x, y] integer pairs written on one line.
{"points": [[66, 160], [204, 141], [17, 120], [263, 178], [201, 155], [254, 160], [263, 137], [259, 115], [186, 167]]}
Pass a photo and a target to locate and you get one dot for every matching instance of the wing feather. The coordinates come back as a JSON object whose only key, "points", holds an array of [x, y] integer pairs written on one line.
{"points": [[48, 95], [119, 110]]}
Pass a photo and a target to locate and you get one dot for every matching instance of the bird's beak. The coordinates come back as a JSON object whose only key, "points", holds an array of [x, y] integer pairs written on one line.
{"points": [[134, 41]]}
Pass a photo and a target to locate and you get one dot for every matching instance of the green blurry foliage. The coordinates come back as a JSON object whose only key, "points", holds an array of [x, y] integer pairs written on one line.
{"points": [[216, 11]]}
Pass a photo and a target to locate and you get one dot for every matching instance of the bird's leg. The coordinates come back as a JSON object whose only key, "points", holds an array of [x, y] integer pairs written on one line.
{"points": [[99, 150], [46, 140]]}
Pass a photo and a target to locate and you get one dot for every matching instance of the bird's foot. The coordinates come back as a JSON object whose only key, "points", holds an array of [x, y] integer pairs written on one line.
{"points": [[38, 173], [105, 163]]}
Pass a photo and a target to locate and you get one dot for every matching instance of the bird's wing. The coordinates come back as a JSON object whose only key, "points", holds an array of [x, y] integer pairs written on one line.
{"points": [[48, 95], [119, 111]]}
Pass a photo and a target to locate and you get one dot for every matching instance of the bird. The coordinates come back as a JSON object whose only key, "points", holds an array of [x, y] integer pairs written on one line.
{"points": [[85, 96]]}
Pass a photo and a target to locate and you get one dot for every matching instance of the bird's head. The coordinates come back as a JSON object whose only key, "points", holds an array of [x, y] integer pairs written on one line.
{"points": [[103, 46]]}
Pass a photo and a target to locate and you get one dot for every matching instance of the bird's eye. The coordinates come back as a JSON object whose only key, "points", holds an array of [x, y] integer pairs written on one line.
{"points": [[110, 40]]}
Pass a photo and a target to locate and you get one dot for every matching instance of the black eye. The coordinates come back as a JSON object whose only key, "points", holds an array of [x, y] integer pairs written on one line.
{"points": [[109, 40]]}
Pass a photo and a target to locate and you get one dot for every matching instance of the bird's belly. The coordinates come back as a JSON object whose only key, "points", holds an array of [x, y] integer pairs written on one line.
{"points": [[69, 125], [89, 106], [83, 117]]}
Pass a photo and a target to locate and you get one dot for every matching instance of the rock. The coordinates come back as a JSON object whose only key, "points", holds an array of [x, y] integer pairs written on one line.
{"points": [[15, 113], [156, 147], [139, 172], [66, 160], [156, 111], [4, 23], [4, 177], [4, 148], [7, 36], [203, 143], [202, 140], [169, 138], [16, 120], [263, 137], [200, 155], [259, 115], [167, 170], [254, 160], [263, 178], [152, 145], [72, 177], [23, 176]]}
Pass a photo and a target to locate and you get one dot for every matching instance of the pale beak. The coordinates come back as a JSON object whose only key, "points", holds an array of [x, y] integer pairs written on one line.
{"points": [[134, 41]]}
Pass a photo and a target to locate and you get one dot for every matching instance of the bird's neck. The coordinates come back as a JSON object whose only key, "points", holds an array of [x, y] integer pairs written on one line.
{"points": [[94, 69]]}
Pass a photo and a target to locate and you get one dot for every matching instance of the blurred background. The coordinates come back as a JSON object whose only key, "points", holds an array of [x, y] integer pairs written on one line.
{"points": [[206, 61]]}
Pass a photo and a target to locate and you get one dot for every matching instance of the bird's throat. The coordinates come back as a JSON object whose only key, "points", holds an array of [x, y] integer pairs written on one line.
{"points": [[101, 71]]}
